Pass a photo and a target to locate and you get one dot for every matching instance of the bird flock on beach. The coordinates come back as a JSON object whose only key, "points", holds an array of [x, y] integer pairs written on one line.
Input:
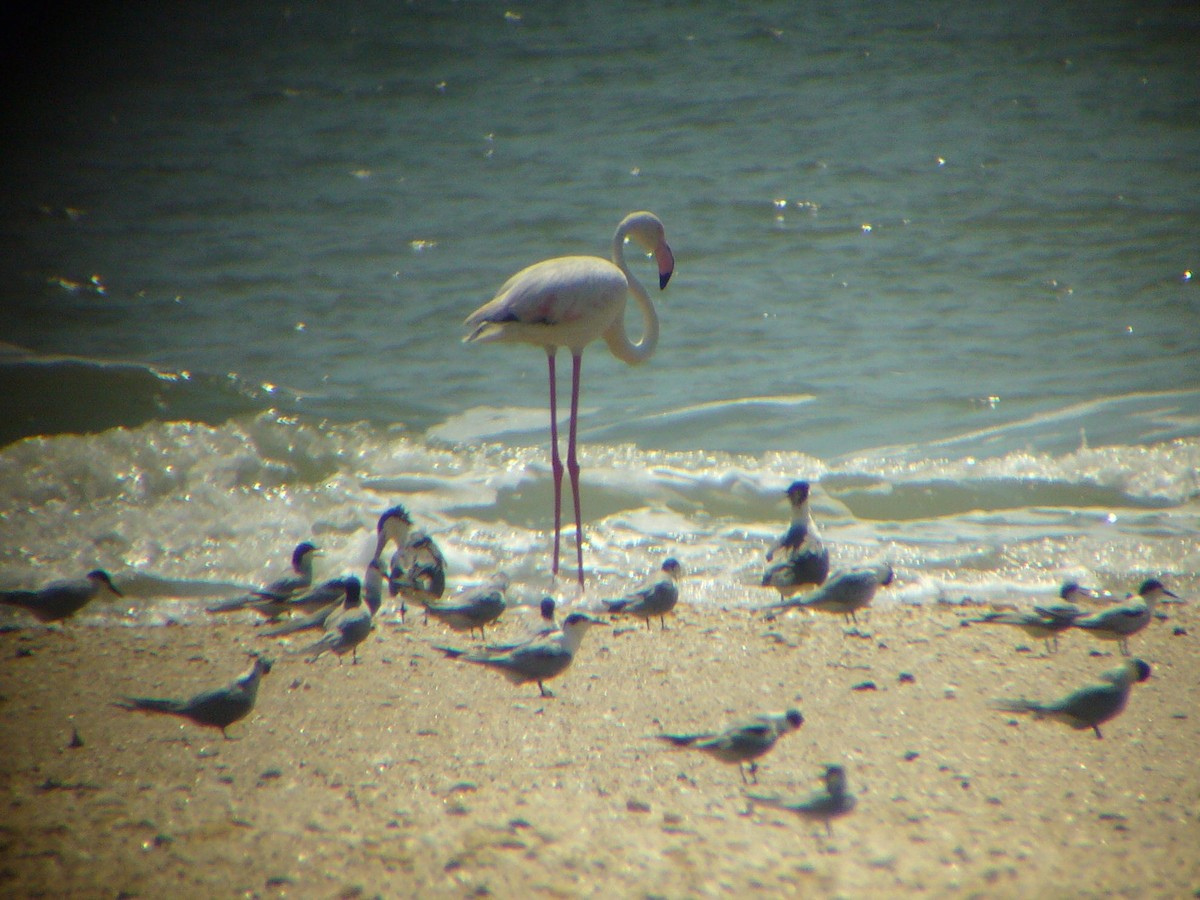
{"points": [[337, 616], [571, 302]]}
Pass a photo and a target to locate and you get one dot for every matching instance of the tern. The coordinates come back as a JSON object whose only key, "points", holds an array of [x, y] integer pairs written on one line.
{"points": [[61, 599], [547, 628], [394, 526], [323, 596], [822, 805], [345, 628], [656, 598], [806, 560], [1045, 622], [845, 593], [271, 599], [372, 595], [742, 742], [1090, 706], [217, 708], [417, 572], [1118, 623], [474, 609], [539, 661]]}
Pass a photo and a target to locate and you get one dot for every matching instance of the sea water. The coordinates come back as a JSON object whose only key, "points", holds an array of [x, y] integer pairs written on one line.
{"points": [[937, 260]]}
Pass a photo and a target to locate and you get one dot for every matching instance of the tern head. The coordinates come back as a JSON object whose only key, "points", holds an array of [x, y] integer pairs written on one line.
{"points": [[671, 567], [1142, 669], [353, 591], [396, 514], [393, 525], [302, 552], [547, 609], [835, 780], [1152, 589], [797, 492], [580, 622], [794, 719], [887, 575], [1072, 590], [262, 665], [101, 578]]}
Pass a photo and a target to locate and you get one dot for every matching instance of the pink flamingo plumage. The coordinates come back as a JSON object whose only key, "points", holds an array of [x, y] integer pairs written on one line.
{"points": [[569, 302]]}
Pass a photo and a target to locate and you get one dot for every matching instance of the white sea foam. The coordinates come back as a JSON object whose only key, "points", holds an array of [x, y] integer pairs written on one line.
{"points": [[184, 512]]}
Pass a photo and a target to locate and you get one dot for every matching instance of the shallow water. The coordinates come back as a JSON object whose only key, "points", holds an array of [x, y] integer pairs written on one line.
{"points": [[939, 261]]}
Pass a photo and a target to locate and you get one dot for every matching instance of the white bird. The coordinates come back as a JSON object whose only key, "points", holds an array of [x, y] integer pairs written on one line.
{"points": [[393, 525], [571, 301], [271, 599], [539, 661], [476, 608], [1090, 706], [656, 598], [845, 593], [61, 599], [806, 562], [742, 742], [1117, 623], [217, 708], [802, 533], [418, 572], [822, 805], [346, 628]]}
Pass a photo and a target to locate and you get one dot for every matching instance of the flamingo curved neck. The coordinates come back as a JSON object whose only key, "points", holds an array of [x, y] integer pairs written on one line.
{"points": [[617, 339]]}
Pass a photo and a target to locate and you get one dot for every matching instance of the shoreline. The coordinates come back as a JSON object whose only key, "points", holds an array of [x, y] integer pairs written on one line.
{"points": [[413, 775]]}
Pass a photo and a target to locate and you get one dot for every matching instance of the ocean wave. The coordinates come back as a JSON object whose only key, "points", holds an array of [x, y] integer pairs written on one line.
{"points": [[185, 510], [41, 395]]}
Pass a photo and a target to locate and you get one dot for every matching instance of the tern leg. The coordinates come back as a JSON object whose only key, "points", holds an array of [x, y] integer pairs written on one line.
{"points": [[1096, 728], [555, 461], [573, 462]]}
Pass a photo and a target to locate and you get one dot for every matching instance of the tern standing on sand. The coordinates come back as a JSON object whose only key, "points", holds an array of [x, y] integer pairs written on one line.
{"points": [[1119, 623], [271, 600], [845, 593], [218, 708], [1090, 706], [822, 805], [62, 599], [742, 742], [654, 599], [539, 661]]}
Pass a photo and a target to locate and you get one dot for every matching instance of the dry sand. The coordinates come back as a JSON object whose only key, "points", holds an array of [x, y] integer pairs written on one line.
{"points": [[413, 775]]}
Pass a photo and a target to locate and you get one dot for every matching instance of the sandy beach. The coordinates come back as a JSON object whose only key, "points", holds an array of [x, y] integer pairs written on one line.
{"points": [[413, 775]]}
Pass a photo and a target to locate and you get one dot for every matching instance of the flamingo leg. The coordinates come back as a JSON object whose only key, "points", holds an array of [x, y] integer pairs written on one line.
{"points": [[573, 462], [555, 462]]}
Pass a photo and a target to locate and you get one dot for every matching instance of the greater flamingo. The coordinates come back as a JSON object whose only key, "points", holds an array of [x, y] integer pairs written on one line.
{"points": [[569, 302]]}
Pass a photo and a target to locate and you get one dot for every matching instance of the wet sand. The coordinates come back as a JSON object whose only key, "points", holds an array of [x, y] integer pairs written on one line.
{"points": [[413, 775]]}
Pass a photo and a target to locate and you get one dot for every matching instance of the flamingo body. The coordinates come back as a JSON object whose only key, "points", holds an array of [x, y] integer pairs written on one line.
{"points": [[564, 302], [571, 301]]}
